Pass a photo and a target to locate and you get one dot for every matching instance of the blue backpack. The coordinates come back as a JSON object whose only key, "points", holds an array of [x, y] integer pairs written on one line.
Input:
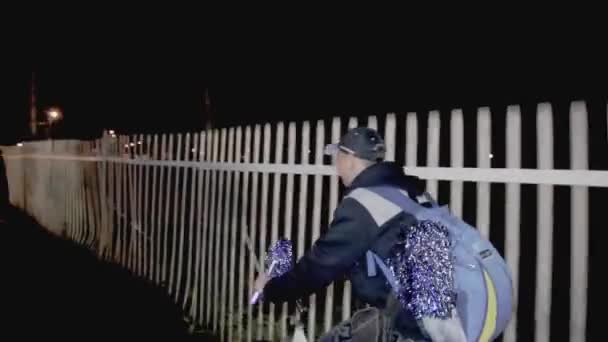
{"points": [[482, 279]]}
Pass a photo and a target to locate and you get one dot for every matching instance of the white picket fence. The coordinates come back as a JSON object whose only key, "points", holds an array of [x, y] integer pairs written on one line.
{"points": [[173, 208]]}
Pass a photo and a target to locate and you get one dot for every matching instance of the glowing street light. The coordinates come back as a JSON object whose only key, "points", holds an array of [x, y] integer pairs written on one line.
{"points": [[19, 144], [54, 114], [112, 132]]}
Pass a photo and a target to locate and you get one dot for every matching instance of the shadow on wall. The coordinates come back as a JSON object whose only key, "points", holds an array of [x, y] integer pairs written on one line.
{"points": [[55, 288]]}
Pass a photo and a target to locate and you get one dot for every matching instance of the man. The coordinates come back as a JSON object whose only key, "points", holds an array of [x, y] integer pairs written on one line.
{"points": [[358, 221]]}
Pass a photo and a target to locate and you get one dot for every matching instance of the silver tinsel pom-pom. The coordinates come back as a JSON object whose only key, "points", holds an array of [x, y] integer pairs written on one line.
{"points": [[282, 254], [424, 270]]}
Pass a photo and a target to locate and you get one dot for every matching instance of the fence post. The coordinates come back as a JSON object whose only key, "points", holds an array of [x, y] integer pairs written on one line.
{"points": [[333, 203], [146, 236], [175, 227], [226, 233], [161, 228], [192, 239], [139, 231], [165, 262], [316, 219], [411, 137], [207, 227], [212, 231], [542, 313], [153, 219], [484, 149], [579, 223], [111, 207], [218, 237], [302, 225], [288, 224], [92, 193], [512, 211], [81, 203], [243, 286], [433, 150], [263, 218], [182, 226], [274, 234], [390, 127], [456, 159], [253, 226], [132, 202], [198, 280], [194, 172], [372, 122], [121, 188], [236, 158]]}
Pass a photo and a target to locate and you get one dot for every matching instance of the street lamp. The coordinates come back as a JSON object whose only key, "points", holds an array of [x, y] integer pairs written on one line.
{"points": [[53, 114]]}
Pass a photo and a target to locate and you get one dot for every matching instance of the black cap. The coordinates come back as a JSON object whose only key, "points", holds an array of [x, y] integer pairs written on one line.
{"points": [[361, 142]]}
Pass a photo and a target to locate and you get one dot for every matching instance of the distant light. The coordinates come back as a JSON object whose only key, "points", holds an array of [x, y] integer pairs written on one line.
{"points": [[19, 144], [491, 156], [193, 150], [114, 136], [132, 144], [54, 114], [126, 145], [112, 132], [139, 143]]}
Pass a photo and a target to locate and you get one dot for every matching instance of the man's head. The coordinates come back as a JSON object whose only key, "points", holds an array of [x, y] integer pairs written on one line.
{"points": [[357, 150]]}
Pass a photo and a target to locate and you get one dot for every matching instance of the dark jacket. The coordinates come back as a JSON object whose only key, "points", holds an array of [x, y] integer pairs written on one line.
{"points": [[341, 251]]}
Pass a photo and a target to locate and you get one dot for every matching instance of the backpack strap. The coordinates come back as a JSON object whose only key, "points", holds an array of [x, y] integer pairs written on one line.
{"points": [[383, 203], [374, 260], [370, 264], [401, 199]]}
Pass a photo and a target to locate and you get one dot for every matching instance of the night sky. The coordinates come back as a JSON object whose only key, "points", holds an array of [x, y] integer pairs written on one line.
{"points": [[156, 88]]}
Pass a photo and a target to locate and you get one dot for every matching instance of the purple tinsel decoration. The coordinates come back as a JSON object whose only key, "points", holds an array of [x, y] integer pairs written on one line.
{"points": [[424, 270], [281, 252]]}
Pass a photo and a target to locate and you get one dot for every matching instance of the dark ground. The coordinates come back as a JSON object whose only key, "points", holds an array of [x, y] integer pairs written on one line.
{"points": [[54, 288]]}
